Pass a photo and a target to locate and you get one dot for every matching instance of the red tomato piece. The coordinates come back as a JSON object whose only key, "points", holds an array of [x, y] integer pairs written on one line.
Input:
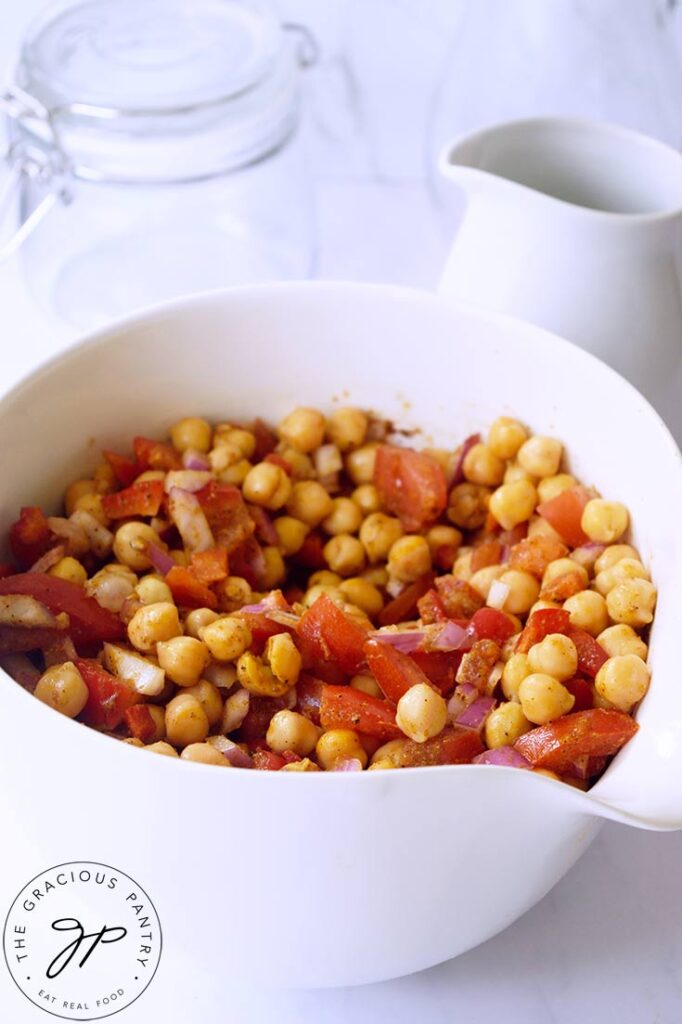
{"points": [[455, 745], [226, 513], [143, 499], [6, 570], [404, 606], [411, 485], [30, 536], [444, 557], [591, 654], [89, 623], [262, 628], [311, 553], [188, 591], [268, 761], [309, 696], [139, 720], [155, 454], [343, 707], [582, 691], [459, 599], [332, 635], [266, 439], [541, 624], [125, 470], [562, 587], [431, 609], [255, 724], [209, 566], [533, 554], [247, 560], [485, 554], [394, 671], [490, 624], [109, 698], [595, 733], [565, 513], [440, 667]]}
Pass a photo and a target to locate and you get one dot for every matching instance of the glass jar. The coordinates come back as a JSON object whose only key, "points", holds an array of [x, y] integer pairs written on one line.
{"points": [[154, 147]]}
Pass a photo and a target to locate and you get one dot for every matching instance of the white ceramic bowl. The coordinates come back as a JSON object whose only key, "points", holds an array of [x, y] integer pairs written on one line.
{"points": [[330, 879]]}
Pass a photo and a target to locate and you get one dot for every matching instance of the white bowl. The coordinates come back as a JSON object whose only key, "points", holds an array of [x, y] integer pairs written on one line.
{"points": [[330, 879]]}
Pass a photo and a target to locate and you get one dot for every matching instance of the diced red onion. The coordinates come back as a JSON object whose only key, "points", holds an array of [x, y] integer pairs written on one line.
{"points": [[587, 554], [475, 715], [23, 610], [100, 540], [238, 758], [348, 764], [464, 695], [273, 601], [405, 640], [505, 757], [50, 558], [160, 559], [497, 595], [283, 618], [188, 516], [192, 459], [458, 475], [447, 636], [191, 480], [73, 535]]}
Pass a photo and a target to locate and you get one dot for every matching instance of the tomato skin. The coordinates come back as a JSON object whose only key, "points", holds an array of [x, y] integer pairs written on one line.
{"points": [[125, 470], [485, 554], [311, 553], [594, 733], [332, 636], [139, 720], [30, 536], [455, 745], [591, 655], [155, 454], [109, 698], [541, 624], [581, 689], [90, 624], [490, 624], [411, 484], [564, 513], [226, 514], [188, 591], [309, 696], [143, 499], [440, 667], [209, 566], [404, 606], [394, 671], [343, 707]]}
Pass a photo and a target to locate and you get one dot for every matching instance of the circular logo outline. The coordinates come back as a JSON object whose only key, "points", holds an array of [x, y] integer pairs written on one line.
{"points": [[40, 875]]}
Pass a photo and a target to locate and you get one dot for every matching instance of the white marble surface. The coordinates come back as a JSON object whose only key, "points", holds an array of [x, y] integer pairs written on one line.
{"points": [[607, 942]]}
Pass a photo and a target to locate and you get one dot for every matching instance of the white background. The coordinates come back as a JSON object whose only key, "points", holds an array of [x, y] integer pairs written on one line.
{"points": [[607, 942]]}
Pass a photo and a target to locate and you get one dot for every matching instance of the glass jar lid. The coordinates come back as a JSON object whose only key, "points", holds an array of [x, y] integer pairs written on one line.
{"points": [[160, 90]]}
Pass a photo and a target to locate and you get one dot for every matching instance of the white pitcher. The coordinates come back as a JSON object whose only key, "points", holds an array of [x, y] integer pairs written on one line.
{"points": [[577, 226]]}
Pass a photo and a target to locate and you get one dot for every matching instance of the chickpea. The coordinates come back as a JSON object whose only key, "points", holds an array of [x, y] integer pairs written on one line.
{"points": [[552, 486], [69, 569], [560, 566], [421, 713], [543, 698], [540, 456], [345, 554], [443, 536], [366, 683], [235, 710], [301, 465], [274, 569], [152, 624], [389, 755], [290, 731], [312, 593], [186, 721], [461, 568], [612, 554], [105, 478], [258, 678], [208, 695], [505, 724], [339, 745], [62, 688], [152, 590], [93, 504], [588, 611], [621, 572], [524, 590], [204, 753], [309, 502], [539, 527], [191, 432], [378, 534], [632, 603], [515, 670], [324, 578], [366, 497], [283, 657], [227, 637], [243, 440], [161, 747], [150, 474], [225, 456], [623, 681], [555, 656], [360, 464], [236, 474], [303, 429], [183, 659], [78, 489], [362, 594], [506, 436], [604, 521], [513, 473], [232, 593], [483, 579], [542, 604], [622, 639], [482, 466], [267, 485], [377, 575], [347, 427], [197, 619], [345, 517], [513, 503], [291, 533], [409, 558], [130, 544], [304, 765], [468, 506]]}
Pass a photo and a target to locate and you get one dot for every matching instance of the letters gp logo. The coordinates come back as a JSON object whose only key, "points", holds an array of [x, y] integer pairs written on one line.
{"points": [[82, 940]]}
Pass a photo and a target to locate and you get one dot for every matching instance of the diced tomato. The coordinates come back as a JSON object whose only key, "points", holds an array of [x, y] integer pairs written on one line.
{"points": [[125, 469], [431, 608], [411, 485], [188, 591], [332, 635], [143, 499], [268, 761], [582, 691], [257, 720], [89, 623], [595, 733], [19, 639], [463, 451], [490, 624], [226, 513], [478, 663], [404, 606], [262, 628], [265, 530], [460, 600], [394, 671], [541, 624], [440, 667], [278, 460], [485, 554], [266, 439], [155, 455], [209, 566], [139, 720], [247, 560], [311, 554], [109, 698], [444, 557], [455, 745], [591, 654], [562, 587], [534, 554], [6, 569], [30, 536], [585, 767], [565, 513], [309, 696], [343, 707]]}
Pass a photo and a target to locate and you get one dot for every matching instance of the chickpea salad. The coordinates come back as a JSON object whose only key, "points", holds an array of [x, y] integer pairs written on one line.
{"points": [[318, 596]]}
